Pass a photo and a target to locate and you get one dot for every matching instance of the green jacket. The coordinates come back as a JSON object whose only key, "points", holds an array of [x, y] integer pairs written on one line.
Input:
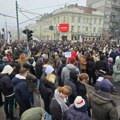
{"points": [[31, 81]]}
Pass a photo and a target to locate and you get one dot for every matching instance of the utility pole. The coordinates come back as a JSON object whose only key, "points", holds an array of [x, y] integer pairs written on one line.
{"points": [[18, 30], [6, 38]]}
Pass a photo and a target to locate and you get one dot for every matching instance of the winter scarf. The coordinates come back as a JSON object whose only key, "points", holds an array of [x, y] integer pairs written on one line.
{"points": [[62, 104]]}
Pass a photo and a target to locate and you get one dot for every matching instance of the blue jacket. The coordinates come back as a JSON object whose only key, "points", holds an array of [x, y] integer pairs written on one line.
{"points": [[72, 114], [21, 89]]}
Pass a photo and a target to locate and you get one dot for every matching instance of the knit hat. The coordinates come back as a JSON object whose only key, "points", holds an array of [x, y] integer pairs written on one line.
{"points": [[49, 69], [33, 114], [106, 86], [7, 70], [79, 102]]}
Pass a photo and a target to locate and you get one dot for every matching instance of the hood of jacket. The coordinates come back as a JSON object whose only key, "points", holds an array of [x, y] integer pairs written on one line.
{"points": [[117, 62], [17, 79], [100, 97], [70, 66], [2, 75]]}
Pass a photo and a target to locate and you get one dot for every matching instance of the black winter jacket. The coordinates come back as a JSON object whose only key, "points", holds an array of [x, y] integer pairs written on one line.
{"points": [[5, 85], [55, 110], [47, 91], [72, 114]]}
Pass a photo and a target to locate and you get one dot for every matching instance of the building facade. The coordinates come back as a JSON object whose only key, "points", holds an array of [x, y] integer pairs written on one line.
{"points": [[83, 21], [111, 10]]}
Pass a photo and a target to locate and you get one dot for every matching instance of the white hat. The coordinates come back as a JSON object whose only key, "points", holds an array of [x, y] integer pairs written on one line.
{"points": [[79, 102], [7, 70], [49, 69]]}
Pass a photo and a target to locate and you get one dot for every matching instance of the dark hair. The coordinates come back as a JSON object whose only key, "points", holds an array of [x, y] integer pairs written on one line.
{"points": [[22, 71], [26, 65], [72, 60], [63, 60]]}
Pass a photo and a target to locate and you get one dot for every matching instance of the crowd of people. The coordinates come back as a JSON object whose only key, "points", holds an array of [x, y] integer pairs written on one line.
{"points": [[60, 80]]}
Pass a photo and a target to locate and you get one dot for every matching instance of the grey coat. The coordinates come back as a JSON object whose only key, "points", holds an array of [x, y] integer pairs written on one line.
{"points": [[65, 75]]}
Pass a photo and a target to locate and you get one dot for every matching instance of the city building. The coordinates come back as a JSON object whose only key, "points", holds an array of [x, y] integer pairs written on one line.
{"points": [[111, 10], [83, 21]]}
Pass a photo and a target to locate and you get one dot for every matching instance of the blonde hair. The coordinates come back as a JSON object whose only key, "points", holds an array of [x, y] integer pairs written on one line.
{"points": [[65, 90]]}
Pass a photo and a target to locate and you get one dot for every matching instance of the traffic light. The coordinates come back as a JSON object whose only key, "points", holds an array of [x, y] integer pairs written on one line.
{"points": [[51, 28], [28, 33]]}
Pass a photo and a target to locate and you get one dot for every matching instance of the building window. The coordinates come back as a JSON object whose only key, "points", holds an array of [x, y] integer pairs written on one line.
{"points": [[79, 19], [58, 19], [78, 28], [95, 20], [72, 28], [86, 28], [87, 20], [72, 20], [64, 19], [100, 21], [94, 29]]}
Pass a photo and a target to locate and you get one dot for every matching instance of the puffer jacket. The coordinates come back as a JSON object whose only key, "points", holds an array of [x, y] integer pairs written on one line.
{"points": [[103, 107], [72, 114], [5, 85]]}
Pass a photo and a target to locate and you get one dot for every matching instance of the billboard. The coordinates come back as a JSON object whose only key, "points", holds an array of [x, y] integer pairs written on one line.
{"points": [[64, 27]]}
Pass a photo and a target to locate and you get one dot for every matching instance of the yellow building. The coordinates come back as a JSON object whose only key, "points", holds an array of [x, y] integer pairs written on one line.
{"points": [[83, 21]]}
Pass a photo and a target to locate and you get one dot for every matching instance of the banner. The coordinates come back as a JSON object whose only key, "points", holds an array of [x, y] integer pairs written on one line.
{"points": [[64, 27]]}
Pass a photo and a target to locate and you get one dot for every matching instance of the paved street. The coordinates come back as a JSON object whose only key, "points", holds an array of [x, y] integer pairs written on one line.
{"points": [[2, 115], [38, 102]]}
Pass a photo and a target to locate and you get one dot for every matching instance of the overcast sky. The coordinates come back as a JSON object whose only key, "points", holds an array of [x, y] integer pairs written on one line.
{"points": [[36, 6]]}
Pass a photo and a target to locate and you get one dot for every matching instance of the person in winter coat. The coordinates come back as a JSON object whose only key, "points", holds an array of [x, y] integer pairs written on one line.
{"points": [[59, 104], [81, 89], [7, 90], [47, 91], [103, 107], [31, 81], [116, 71], [59, 71], [83, 63], [65, 75], [110, 66], [36, 113], [77, 111], [73, 84], [91, 68], [38, 68], [102, 64], [22, 93]]}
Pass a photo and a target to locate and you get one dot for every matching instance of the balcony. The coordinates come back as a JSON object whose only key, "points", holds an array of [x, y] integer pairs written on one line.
{"points": [[114, 20], [117, 6]]}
